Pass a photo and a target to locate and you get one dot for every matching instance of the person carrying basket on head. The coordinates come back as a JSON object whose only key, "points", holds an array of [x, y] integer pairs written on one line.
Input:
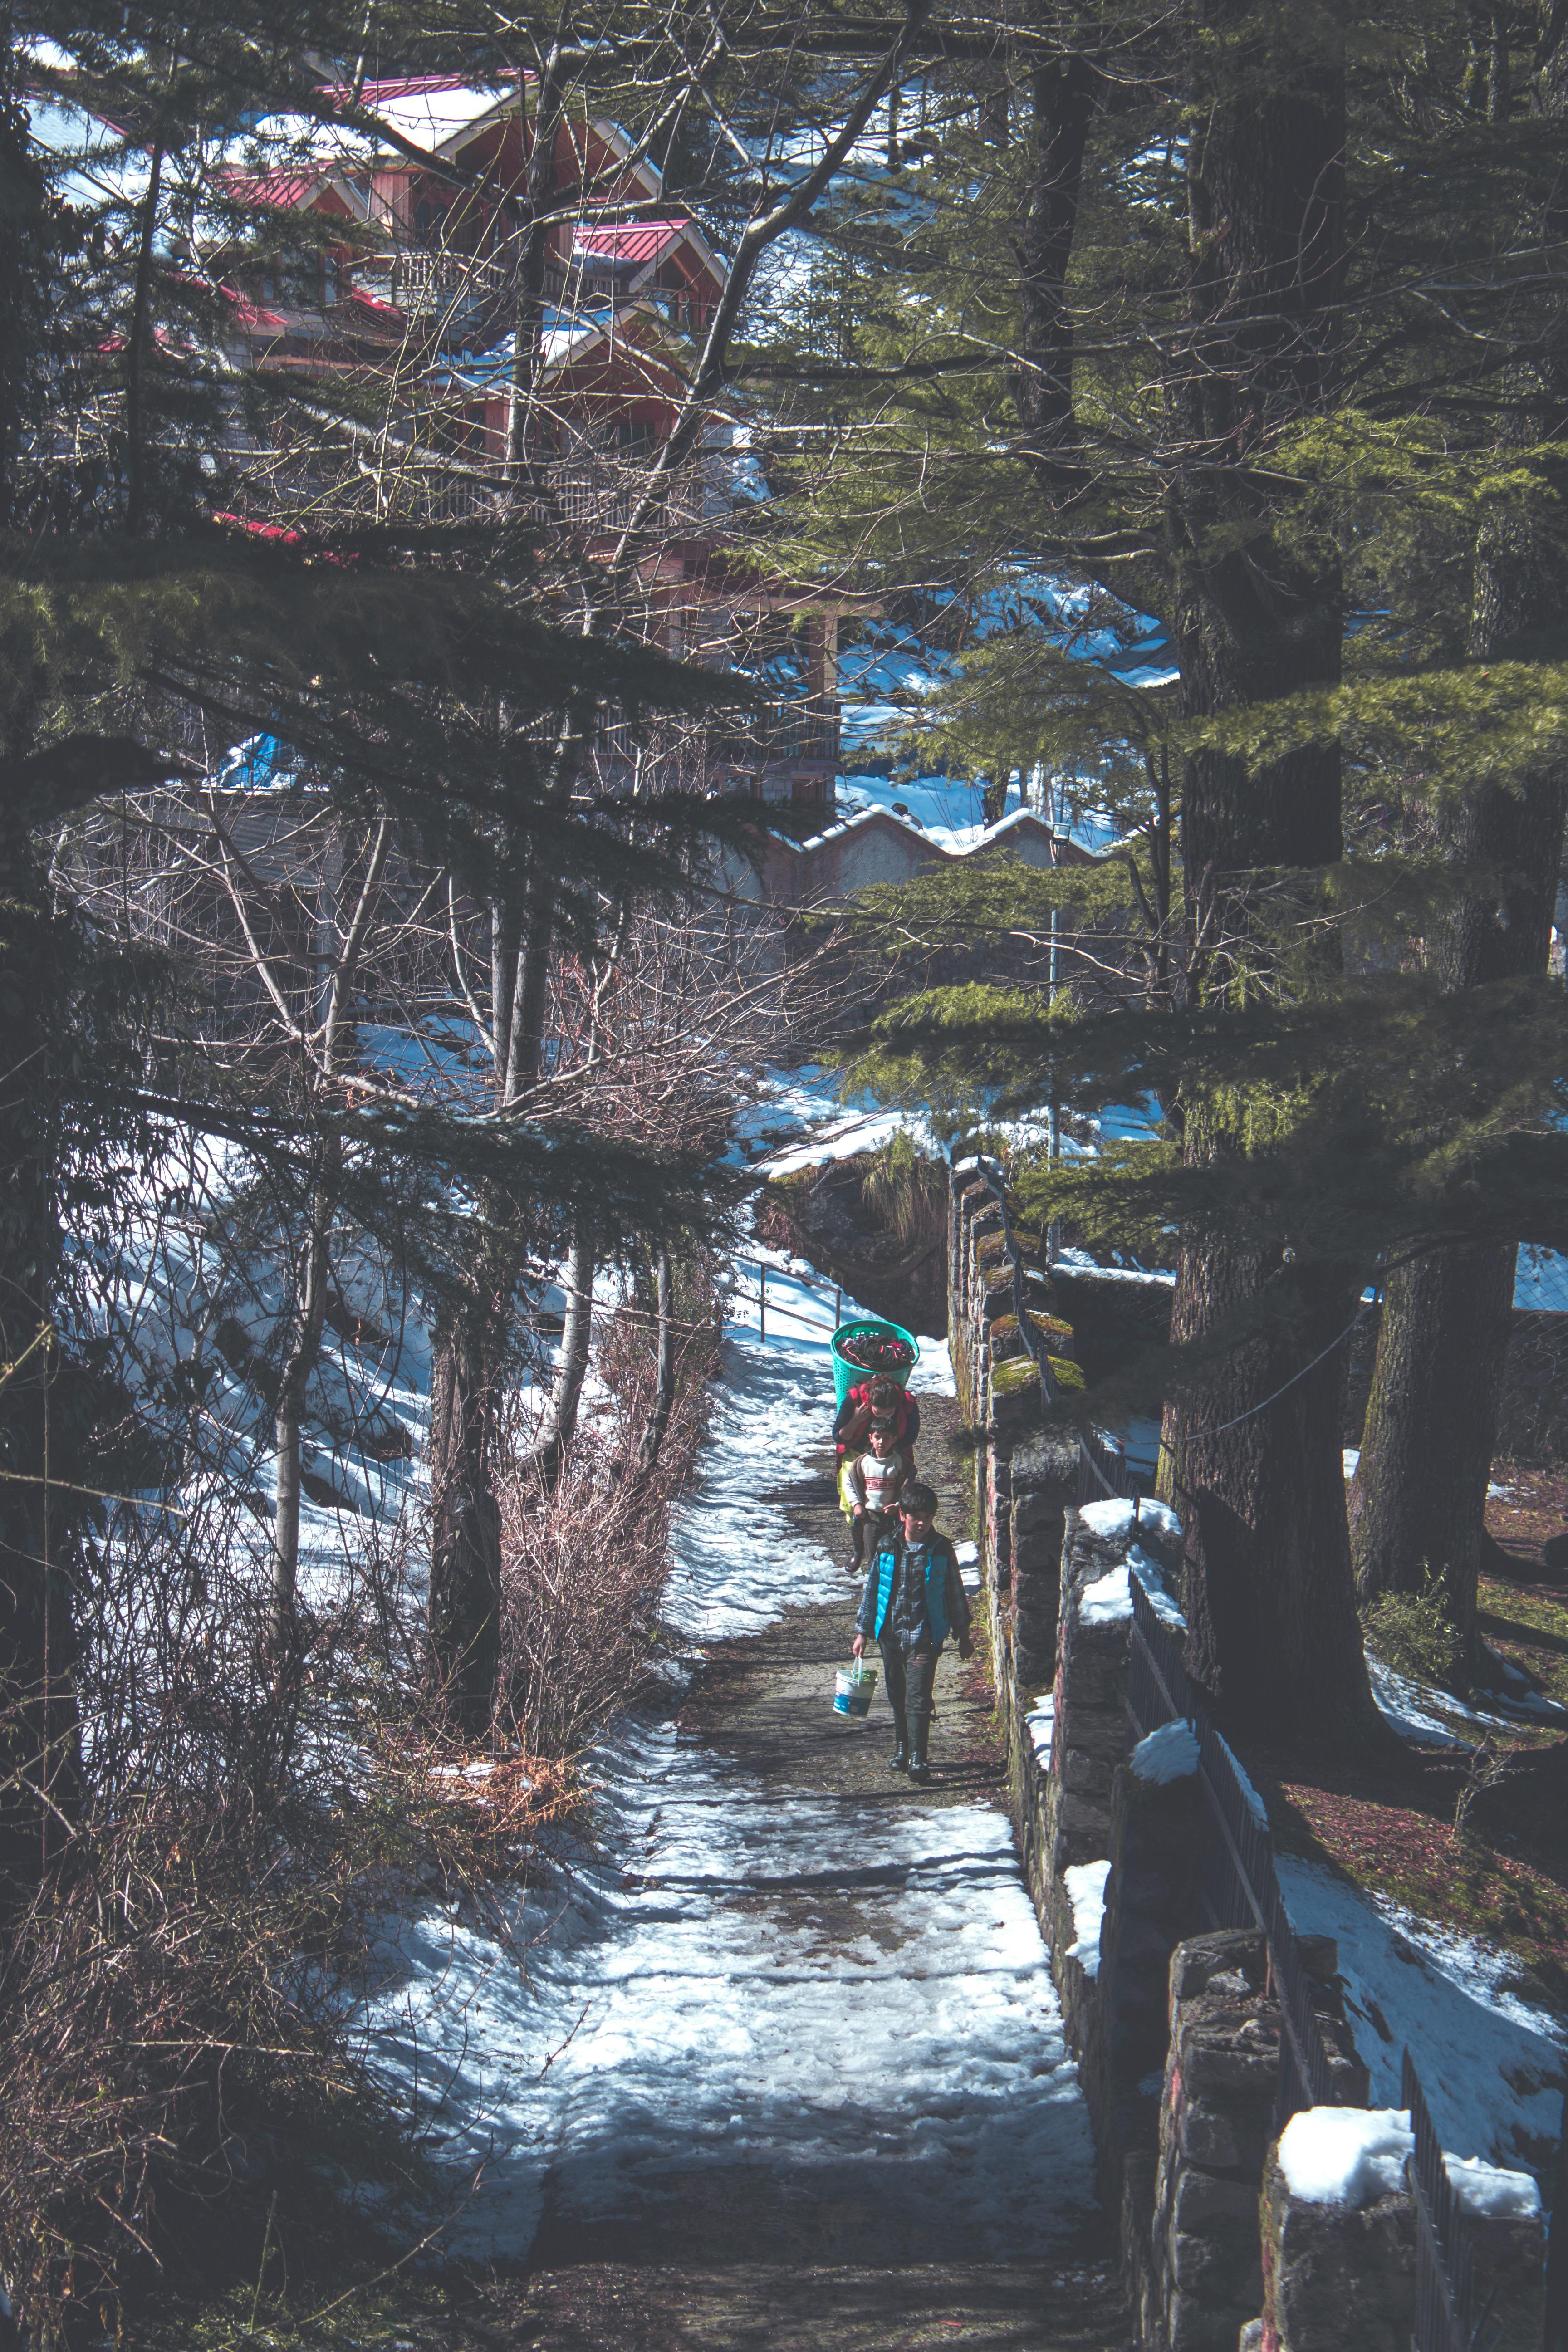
{"points": [[913, 1600], [878, 1402]]}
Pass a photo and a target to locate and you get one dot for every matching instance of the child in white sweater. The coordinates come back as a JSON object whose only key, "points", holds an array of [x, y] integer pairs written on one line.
{"points": [[876, 1482]]}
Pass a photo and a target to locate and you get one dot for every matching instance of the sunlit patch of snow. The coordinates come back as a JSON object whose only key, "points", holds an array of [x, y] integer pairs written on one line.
{"points": [[1418, 1711], [1345, 2155], [1491, 2062], [1086, 1883], [686, 2012], [1401, 1703]]}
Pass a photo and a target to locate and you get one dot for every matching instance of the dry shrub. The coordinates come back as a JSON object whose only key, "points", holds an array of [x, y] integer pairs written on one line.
{"points": [[165, 2000], [185, 1986], [586, 1560]]}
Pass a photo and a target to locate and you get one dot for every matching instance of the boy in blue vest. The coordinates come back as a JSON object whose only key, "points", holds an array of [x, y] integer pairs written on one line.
{"points": [[914, 1598]]}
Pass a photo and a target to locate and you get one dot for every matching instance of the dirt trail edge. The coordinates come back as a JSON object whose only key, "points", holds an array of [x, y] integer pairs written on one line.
{"points": [[864, 1895]]}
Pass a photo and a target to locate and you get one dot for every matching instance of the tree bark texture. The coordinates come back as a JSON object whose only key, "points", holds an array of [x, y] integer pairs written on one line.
{"points": [[1417, 1504], [1419, 1499], [39, 1528], [560, 1423], [24, 222], [1065, 93], [338, 951], [664, 1383], [463, 1619], [1257, 1476]]}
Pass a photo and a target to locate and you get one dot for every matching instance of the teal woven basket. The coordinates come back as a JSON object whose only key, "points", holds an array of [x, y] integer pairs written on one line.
{"points": [[845, 1375]]}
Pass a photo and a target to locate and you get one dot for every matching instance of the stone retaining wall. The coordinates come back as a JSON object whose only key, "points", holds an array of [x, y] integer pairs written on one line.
{"points": [[1175, 2030]]}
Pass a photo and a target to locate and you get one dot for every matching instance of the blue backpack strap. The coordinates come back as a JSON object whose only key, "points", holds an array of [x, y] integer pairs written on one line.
{"points": [[886, 1563]]}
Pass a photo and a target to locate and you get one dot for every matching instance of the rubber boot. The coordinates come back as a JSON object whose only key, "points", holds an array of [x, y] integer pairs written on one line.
{"points": [[919, 1769], [900, 1759]]}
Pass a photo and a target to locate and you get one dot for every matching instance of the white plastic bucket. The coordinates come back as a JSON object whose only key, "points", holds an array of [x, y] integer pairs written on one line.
{"points": [[852, 1689]]}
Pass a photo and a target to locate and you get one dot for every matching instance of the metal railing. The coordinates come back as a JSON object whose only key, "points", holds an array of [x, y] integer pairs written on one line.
{"points": [[1445, 2316], [782, 1308], [1241, 1889]]}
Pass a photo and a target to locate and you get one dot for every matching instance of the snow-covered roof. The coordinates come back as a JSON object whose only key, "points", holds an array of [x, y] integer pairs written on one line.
{"points": [[1023, 821], [435, 112]]}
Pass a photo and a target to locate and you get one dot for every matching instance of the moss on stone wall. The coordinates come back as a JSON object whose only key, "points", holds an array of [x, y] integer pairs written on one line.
{"points": [[1050, 1327]]}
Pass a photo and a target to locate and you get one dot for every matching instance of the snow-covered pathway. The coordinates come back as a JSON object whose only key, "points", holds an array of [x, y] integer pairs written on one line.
{"points": [[823, 2013]]}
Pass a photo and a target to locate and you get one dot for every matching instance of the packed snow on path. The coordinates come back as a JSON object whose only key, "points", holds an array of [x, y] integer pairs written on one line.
{"points": [[689, 2006]]}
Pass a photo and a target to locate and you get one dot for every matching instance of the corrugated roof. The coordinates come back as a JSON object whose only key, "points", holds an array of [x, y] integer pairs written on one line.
{"points": [[634, 241], [282, 191]]}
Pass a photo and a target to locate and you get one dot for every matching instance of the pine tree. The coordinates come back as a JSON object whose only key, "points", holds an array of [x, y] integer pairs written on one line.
{"points": [[1206, 429]]}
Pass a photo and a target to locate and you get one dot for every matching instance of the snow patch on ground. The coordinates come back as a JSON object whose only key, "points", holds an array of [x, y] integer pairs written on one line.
{"points": [[738, 1564], [1492, 2063], [1410, 1707], [687, 2011], [1345, 2155], [1401, 1701], [932, 1376]]}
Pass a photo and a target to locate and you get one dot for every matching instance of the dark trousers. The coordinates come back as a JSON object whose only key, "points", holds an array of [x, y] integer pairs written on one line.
{"points": [[909, 1677], [867, 1533]]}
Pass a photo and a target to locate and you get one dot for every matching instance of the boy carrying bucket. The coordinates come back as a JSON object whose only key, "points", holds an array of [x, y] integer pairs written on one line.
{"points": [[914, 1599]]}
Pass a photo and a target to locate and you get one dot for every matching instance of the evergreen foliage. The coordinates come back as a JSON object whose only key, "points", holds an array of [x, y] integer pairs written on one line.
{"points": [[1168, 367]]}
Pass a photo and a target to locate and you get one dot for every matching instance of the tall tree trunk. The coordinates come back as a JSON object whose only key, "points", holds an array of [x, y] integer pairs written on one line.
{"points": [[560, 1423], [1268, 1592], [1417, 1504], [338, 953], [298, 1363], [541, 187], [464, 1612], [24, 263], [653, 1436], [1252, 1455], [136, 342], [39, 1528]]}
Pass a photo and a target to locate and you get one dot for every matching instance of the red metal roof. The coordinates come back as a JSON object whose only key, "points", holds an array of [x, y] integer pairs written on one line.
{"points": [[382, 93], [630, 240], [282, 191]]}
